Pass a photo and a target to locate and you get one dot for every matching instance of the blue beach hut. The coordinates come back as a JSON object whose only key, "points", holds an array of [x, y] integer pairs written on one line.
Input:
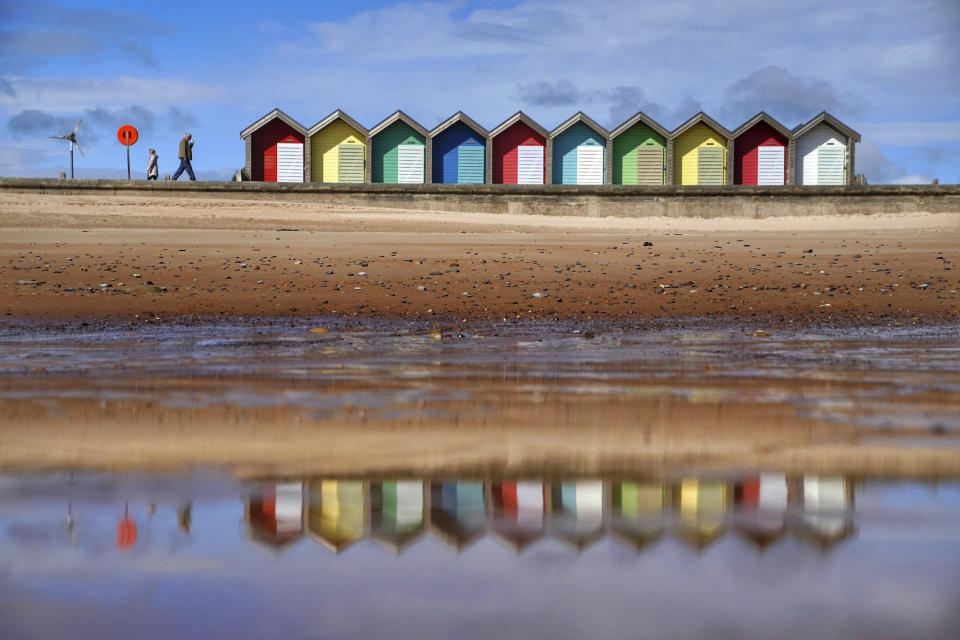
{"points": [[459, 151], [579, 151]]}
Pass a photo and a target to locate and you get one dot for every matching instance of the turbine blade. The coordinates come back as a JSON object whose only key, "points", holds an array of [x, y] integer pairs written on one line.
{"points": [[79, 149], [78, 126], [59, 137]]}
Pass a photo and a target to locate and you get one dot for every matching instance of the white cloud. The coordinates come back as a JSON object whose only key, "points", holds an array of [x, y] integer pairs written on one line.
{"points": [[73, 95], [19, 161], [916, 179], [910, 134]]}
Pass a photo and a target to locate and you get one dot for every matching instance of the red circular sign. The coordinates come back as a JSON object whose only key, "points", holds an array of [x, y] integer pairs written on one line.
{"points": [[127, 135]]}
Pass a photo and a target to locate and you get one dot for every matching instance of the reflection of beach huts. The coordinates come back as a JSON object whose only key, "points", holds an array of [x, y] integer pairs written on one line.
{"points": [[760, 152], [518, 151], [336, 512], [338, 149], [826, 512], [576, 512], [274, 514], [458, 512], [639, 152], [761, 502], [518, 512], [824, 149], [639, 512], [578, 149], [459, 151], [398, 151], [396, 513], [701, 505], [700, 152], [275, 149]]}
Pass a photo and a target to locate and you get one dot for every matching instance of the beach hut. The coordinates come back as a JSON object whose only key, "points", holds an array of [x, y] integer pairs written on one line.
{"points": [[336, 512], [458, 512], [396, 513], [518, 151], [761, 502], [578, 149], [576, 514], [824, 150], [639, 152], [275, 149], [338, 149], [398, 151], [700, 152], [701, 504], [639, 512], [459, 154], [274, 514], [761, 148], [518, 512], [826, 514]]}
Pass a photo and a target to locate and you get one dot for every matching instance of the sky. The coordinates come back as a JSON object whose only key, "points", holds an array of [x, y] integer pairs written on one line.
{"points": [[889, 69]]}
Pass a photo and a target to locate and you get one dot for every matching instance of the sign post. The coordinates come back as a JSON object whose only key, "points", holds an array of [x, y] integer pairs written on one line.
{"points": [[127, 135]]}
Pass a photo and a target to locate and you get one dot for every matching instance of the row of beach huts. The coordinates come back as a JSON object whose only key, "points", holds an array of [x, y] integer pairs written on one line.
{"points": [[762, 508], [399, 150]]}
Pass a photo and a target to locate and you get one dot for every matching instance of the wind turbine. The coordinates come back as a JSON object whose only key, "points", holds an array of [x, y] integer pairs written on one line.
{"points": [[72, 138]]}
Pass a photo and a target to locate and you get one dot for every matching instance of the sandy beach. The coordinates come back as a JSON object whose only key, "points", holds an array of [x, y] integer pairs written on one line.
{"points": [[125, 262], [143, 258]]}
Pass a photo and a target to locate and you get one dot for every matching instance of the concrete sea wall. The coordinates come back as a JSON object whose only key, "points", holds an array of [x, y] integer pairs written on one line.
{"points": [[557, 200]]}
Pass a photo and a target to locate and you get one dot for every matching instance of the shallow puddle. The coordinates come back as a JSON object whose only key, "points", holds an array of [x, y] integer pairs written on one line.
{"points": [[257, 479], [745, 554]]}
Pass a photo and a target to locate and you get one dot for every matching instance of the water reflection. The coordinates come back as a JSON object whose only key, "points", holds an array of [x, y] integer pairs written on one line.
{"points": [[397, 513], [337, 513], [274, 514], [458, 512]]}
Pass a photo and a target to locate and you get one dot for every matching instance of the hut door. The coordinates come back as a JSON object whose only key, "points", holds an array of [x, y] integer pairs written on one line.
{"points": [[530, 164], [590, 164], [410, 164], [830, 164], [409, 504], [710, 165], [650, 165], [470, 164], [290, 161], [350, 163], [770, 165]]}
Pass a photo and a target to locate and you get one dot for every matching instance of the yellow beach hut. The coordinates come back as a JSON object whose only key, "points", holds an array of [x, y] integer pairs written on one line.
{"points": [[700, 152], [338, 149]]}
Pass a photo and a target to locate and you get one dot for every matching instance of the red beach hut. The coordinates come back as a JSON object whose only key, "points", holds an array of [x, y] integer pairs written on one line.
{"points": [[761, 152], [519, 151], [275, 147]]}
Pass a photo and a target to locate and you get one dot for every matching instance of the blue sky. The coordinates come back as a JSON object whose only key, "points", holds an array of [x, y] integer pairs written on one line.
{"points": [[887, 68]]}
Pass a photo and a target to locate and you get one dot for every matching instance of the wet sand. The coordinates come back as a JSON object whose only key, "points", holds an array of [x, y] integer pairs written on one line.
{"points": [[65, 257], [520, 399]]}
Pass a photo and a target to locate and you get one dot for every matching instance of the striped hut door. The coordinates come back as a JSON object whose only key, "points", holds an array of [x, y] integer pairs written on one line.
{"points": [[770, 165], [650, 165], [470, 163], [529, 496], [590, 504], [350, 163], [409, 504], [710, 166], [529, 164], [589, 164], [830, 164], [410, 164], [290, 160]]}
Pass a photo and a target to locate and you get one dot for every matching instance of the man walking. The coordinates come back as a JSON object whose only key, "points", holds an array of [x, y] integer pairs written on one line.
{"points": [[185, 155]]}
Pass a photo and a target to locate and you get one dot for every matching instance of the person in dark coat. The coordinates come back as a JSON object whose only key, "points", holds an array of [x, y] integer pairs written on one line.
{"points": [[186, 155]]}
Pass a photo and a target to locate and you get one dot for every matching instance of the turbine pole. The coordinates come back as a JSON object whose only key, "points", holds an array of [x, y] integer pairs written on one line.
{"points": [[71, 159]]}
